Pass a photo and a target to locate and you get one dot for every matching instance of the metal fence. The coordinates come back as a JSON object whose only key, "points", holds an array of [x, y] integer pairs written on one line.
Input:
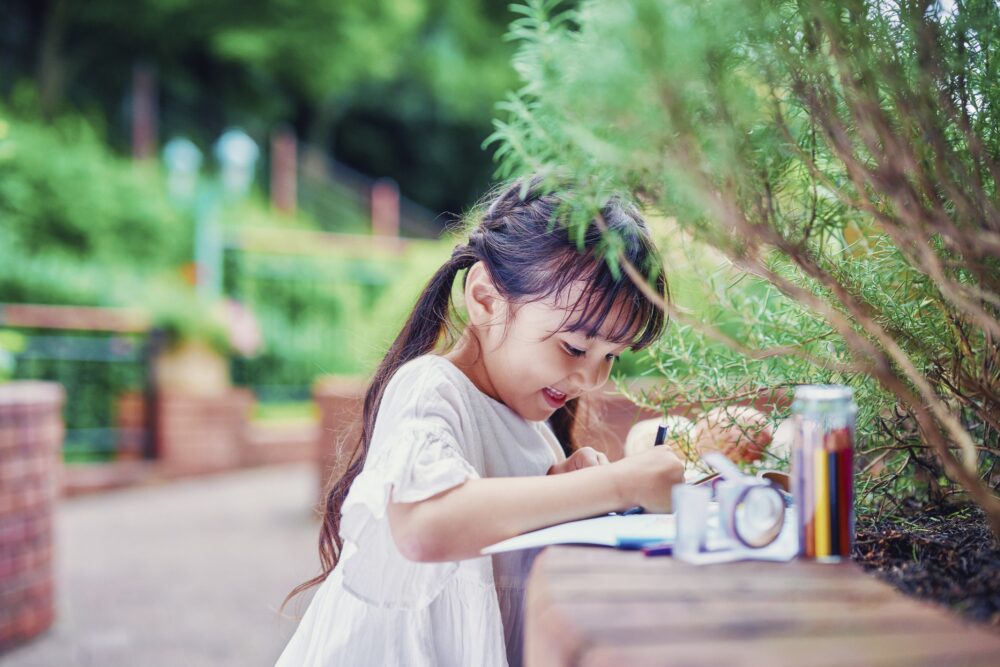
{"points": [[339, 199], [103, 358]]}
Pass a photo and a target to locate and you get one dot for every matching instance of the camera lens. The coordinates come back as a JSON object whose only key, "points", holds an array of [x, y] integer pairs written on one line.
{"points": [[758, 515]]}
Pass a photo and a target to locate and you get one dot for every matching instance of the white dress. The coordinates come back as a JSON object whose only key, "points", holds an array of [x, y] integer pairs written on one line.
{"points": [[434, 430]]}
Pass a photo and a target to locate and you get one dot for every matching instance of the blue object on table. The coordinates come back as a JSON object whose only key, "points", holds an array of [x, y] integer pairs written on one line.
{"points": [[636, 543], [659, 549]]}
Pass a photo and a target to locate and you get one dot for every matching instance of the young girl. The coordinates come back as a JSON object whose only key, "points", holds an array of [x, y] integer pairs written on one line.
{"points": [[456, 454]]}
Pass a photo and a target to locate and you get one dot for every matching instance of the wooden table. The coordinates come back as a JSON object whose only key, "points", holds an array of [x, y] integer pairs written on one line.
{"points": [[594, 607]]}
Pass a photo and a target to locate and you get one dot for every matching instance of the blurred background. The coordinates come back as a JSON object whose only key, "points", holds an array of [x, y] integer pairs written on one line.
{"points": [[337, 97], [217, 171], [214, 217]]}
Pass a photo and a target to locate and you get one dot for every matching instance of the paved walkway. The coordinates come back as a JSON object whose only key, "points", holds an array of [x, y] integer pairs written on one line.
{"points": [[185, 574]]}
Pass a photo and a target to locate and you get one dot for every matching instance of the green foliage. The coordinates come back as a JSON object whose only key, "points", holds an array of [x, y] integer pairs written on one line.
{"points": [[327, 313], [80, 226], [182, 316], [84, 227], [844, 154], [93, 389], [11, 343], [288, 412]]}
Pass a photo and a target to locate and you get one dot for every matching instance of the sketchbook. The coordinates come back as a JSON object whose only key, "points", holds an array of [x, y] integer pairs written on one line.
{"points": [[625, 532]]}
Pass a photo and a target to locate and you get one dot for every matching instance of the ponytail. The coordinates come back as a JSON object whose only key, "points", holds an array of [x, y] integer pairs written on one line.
{"points": [[529, 257], [419, 336]]}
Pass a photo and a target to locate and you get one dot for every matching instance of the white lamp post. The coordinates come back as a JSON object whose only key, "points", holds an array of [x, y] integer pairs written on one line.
{"points": [[236, 154], [183, 161]]}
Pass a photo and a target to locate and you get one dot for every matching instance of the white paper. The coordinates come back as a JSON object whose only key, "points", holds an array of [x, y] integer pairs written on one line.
{"points": [[609, 531], [613, 531]]}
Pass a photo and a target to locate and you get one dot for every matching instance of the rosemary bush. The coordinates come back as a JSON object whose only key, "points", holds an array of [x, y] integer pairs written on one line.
{"points": [[844, 157]]}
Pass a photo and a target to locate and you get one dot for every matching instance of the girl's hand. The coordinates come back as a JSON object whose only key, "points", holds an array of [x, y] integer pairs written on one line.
{"points": [[646, 478], [584, 457]]}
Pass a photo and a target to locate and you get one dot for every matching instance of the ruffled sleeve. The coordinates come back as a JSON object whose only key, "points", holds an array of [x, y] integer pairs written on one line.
{"points": [[417, 461], [415, 454]]}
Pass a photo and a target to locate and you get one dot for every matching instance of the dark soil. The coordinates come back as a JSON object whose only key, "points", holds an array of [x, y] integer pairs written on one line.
{"points": [[947, 555]]}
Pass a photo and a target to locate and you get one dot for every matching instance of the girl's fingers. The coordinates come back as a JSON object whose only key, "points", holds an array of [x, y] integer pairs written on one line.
{"points": [[592, 457], [588, 456]]}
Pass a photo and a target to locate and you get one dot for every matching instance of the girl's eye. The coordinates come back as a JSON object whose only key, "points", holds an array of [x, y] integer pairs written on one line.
{"points": [[577, 352]]}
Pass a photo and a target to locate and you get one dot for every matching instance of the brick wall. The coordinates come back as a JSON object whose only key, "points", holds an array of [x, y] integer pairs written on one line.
{"points": [[340, 402], [31, 432], [265, 444], [131, 424], [199, 434]]}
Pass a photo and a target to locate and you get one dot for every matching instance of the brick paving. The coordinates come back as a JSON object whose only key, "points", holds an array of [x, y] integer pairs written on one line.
{"points": [[183, 574]]}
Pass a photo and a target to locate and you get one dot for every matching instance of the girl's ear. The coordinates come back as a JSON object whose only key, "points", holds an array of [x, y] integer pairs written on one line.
{"points": [[482, 300]]}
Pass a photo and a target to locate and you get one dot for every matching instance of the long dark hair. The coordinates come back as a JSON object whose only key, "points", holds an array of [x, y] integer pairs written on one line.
{"points": [[530, 255]]}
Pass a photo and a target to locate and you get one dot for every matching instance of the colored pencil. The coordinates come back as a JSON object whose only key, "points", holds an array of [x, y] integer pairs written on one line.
{"points": [[797, 494], [822, 500], [846, 465], [661, 549], [833, 482], [808, 502]]}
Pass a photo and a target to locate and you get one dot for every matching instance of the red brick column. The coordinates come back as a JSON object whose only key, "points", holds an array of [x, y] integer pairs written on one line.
{"points": [[200, 434], [340, 401], [31, 432]]}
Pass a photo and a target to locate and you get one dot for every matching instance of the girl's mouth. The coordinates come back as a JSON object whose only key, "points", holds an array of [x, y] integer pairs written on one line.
{"points": [[554, 397]]}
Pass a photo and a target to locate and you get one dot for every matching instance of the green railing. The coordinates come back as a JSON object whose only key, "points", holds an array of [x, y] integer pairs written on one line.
{"points": [[102, 359]]}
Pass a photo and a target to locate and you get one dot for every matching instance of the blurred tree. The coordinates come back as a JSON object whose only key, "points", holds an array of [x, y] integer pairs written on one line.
{"points": [[415, 76], [85, 51], [79, 225]]}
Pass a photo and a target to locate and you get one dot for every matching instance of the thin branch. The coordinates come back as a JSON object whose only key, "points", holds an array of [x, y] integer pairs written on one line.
{"points": [[921, 255]]}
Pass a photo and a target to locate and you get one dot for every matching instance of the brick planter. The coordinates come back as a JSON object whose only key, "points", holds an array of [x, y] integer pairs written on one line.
{"points": [[340, 401], [31, 432], [200, 434]]}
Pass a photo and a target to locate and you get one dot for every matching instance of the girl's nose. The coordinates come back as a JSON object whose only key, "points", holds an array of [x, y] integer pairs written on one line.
{"points": [[592, 376]]}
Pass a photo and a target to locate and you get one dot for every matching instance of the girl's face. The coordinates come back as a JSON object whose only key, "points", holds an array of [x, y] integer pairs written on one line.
{"points": [[531, 365]]}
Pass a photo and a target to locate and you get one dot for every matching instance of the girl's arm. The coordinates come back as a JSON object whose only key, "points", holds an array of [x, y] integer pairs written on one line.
{"points": [[459, 522]]}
